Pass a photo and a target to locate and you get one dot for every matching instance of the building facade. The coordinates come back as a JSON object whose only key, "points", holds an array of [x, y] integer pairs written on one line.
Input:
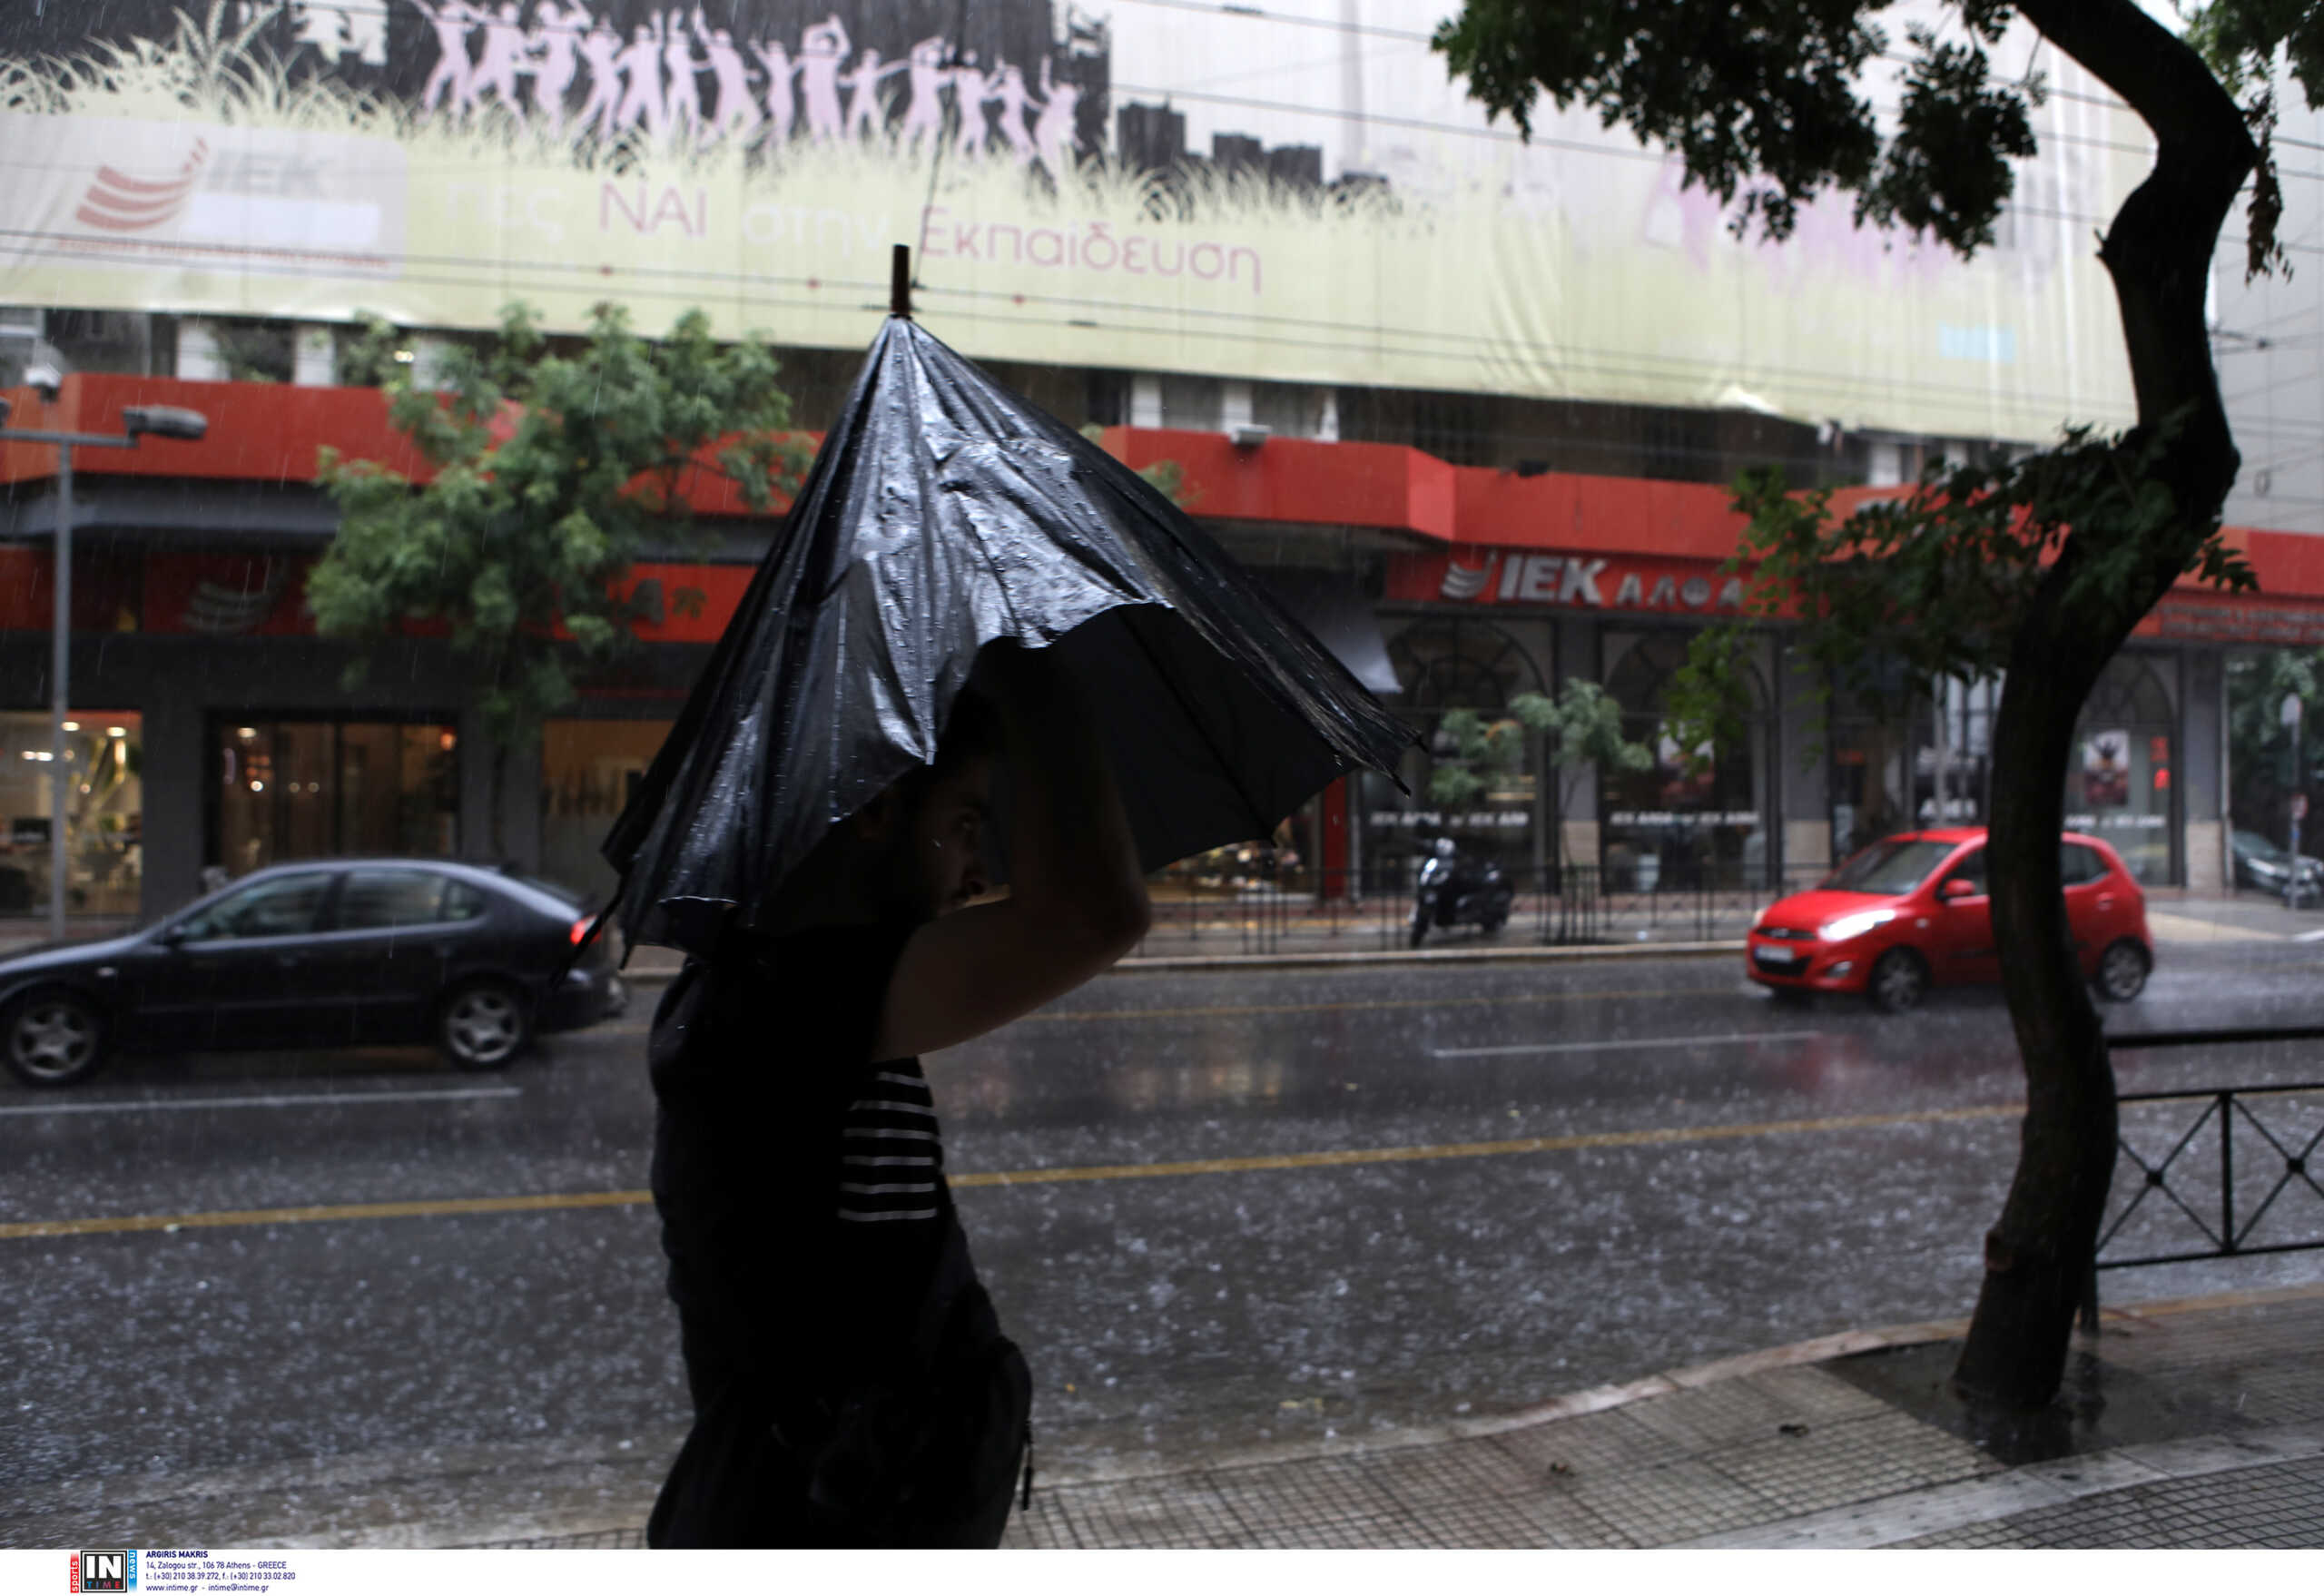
{"points": [[1469, 405]]}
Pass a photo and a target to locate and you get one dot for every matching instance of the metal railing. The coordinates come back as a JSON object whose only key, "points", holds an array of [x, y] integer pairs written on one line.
{"points": [[2219, 1185], [1370, 909]]}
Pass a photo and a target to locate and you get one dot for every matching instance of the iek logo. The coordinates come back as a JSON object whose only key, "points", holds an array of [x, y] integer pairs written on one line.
{"points": [[104, 1570]]}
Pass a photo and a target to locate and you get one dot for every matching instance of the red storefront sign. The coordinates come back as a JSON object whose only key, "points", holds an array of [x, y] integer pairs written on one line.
{"points": [[1471, 575]]}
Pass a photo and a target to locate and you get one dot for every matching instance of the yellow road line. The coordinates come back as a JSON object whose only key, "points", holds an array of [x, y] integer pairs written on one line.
{"points": [[25, 1230]]}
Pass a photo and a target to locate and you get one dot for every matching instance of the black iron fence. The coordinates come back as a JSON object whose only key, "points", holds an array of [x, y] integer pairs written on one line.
{"points": [[2212, 1172], [1370, 909]]}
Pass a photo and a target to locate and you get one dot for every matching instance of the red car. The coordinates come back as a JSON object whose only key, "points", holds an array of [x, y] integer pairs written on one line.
{"points": [[1911, 911]]}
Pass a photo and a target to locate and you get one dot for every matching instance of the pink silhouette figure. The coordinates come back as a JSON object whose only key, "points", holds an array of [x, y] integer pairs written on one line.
{"points": [[970, 90], [601, 53], [557, 34], [1009, 89], [684, 92], [452, 78], [863, 106], [924, 115], [781, 105], [737, 111], [641, 69], [1054, 133], [502, 60], [822, 49]]}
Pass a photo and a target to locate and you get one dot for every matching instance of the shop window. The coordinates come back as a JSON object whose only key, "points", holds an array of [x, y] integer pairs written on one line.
{"points": [[1696, 818], [2119, 784], [104, 813], [588, 770], [1453, 664], [309, 788]]}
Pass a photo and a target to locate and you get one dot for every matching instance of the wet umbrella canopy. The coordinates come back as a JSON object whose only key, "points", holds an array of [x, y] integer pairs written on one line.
{"points": [[944, 513]]}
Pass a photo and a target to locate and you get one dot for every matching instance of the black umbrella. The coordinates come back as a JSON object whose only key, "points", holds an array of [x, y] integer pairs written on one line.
{"points": [[943, 513]]}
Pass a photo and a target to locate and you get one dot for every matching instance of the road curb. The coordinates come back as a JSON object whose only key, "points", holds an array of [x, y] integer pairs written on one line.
{"points": [[1185, 963]]}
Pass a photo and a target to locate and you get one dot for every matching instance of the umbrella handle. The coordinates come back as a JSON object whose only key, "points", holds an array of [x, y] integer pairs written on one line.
{"points": [[900, 282]]}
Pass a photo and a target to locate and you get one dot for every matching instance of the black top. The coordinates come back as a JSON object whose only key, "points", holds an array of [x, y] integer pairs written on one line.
{"points": [[800, 1182]]}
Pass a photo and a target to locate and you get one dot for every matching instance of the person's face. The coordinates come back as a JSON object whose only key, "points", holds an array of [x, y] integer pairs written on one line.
{"points": [[948, 837], [936, 853]]}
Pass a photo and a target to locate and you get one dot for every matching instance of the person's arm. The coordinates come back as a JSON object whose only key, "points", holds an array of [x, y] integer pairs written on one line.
{"points": [[1076, 900]]}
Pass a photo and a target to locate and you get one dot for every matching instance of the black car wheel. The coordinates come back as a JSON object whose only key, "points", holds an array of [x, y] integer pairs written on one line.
{"points": [[2122, 971], [1898, 982], [483, 1025], [54, 1038]]}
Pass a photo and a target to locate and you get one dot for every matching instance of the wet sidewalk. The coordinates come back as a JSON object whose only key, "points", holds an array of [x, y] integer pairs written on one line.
{"points": [[2189, 1425], [2193, 1423]]}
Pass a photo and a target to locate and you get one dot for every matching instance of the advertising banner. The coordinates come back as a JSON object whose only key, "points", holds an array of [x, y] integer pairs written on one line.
{"points": [[1297, 194]]}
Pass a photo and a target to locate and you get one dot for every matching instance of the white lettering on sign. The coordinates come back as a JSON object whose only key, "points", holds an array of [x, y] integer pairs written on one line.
{"points": [[1541, 583], [1581, 583], [1573, 580]]}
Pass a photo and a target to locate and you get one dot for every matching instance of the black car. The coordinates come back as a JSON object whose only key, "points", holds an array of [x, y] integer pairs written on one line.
{"points": [[321, 953]]}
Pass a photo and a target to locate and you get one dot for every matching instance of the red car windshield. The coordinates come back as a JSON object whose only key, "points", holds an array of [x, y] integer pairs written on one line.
{"points": [[1890, 869]]}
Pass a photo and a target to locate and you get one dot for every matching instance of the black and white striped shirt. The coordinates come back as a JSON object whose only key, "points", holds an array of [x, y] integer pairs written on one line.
{"points": [[891, 1161]]}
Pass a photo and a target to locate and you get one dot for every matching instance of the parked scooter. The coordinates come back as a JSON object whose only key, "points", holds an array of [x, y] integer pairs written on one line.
{"points": [[1457, 889]]}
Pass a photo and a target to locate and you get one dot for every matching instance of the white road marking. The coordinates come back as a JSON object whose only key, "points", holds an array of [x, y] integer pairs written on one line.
{"points": [[284, 1100], [2314, 936], [1731, 1039]]}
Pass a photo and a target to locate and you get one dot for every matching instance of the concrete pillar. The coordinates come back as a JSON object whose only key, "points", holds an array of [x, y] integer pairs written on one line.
{"points": [[1233, 404], [314, 355], [427, 356], [200, 360], [1145, 400], [1576, 649], [1804, 781], [2202, 769], [171, 771]]}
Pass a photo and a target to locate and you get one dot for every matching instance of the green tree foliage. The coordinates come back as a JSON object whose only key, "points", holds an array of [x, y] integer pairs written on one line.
{"points": [[1581, 730], [554, 469], [2039, 569]]}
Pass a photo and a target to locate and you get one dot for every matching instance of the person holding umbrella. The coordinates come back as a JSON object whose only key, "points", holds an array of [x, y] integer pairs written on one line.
{"points": [[852, 1384], [965, 589]]}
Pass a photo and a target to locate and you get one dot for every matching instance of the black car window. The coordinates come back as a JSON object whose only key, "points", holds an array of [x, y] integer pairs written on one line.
{"points": [[1971, 869], [462, 901], [1887, 868], [383, 900], [284, 906], [2079, 864]]}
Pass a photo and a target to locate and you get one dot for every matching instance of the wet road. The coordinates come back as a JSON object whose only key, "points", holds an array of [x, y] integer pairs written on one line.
{"points": [[1220, 1210]]}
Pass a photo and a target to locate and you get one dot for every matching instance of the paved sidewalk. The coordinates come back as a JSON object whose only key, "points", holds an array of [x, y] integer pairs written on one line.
{"points": [[2192, 1424], [2189, 1425]]}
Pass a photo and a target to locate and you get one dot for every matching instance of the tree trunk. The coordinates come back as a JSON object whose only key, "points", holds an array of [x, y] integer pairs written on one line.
{"points": [[2159, 253]]}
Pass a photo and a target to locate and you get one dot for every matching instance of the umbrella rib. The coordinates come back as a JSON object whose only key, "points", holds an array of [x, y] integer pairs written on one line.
{"points": [[1233, 777]]}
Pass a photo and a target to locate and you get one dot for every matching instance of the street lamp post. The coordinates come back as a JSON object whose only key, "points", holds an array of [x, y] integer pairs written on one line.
{"points": [[137, 421]]}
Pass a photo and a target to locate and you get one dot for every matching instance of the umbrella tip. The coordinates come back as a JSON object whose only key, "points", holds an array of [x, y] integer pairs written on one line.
{"points": [[899, 283]]}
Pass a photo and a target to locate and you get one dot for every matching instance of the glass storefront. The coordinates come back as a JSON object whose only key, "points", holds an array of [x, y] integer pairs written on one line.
{"points": [[1932, 764], [1488, 802], [2121, 783], [1693, 819], [588, 770], [307, 787], [104, 816]]}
